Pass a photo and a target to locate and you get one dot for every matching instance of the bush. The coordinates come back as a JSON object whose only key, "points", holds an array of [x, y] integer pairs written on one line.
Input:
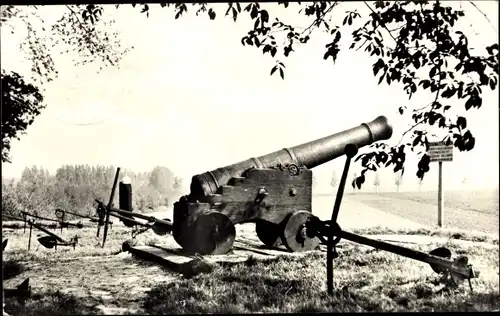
{"points": [[75, 188]]}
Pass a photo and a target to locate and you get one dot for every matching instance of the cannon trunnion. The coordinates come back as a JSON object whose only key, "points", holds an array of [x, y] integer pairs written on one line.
{"points": [[274, 191]]}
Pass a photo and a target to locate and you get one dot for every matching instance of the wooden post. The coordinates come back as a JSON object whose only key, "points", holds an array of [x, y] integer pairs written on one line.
{"points": [[440, 195], [440, 151]]}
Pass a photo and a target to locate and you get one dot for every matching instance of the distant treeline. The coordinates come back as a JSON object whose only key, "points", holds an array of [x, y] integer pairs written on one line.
{"points": [[75, 187]]}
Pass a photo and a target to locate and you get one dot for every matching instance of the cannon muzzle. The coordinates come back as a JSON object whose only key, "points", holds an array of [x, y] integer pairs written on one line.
{"points": [[310, 155]]}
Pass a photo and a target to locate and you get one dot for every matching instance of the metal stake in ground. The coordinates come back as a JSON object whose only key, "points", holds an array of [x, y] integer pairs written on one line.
{"points": [[350, 151], [24, 218], [110, 203], [62, 221], [29, 240]]}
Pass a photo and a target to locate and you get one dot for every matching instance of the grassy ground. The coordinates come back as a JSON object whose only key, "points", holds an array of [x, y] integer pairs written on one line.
{"points": [[485, 201], [466, 212], [365, 280]]}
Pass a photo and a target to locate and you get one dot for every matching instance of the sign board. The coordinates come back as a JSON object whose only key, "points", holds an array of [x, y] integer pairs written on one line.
{"points": [[439, 151]]}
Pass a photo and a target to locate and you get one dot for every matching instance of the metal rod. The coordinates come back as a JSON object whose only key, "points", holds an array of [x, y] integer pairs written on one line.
{"points": [[62, 221], [48, 233], [406, 252], [41, 217], [110, 203], [141, 216], [53, 220], [80, 215], [113, 213], [29, 240], [350, 151], [24, 229], [340, 191]]}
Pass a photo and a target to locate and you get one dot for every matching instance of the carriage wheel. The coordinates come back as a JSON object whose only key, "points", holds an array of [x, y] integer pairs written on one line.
{"points": [[294, 235], [213, 234]]}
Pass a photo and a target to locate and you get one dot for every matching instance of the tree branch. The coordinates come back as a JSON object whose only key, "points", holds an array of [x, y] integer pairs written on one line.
{"points": [[420, 109], [309, 28], [397, 28], [409, 130], [424, 119], [74, 13], [491, 24], [381, 22], [361, 46]]}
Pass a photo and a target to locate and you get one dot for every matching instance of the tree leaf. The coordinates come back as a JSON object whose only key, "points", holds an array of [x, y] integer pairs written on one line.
{"points": [[264, 16], [492, 83], [274, 69], [470, 102], [337, 37], [462, 122], [273, 51]]}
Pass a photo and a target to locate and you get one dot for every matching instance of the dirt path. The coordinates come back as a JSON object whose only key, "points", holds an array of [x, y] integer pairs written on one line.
{"points": [[113, 284]]}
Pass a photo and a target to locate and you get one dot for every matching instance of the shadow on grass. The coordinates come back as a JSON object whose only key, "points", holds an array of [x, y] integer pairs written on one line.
{"points": [[11, 268], [51, 303], [188, 297]]}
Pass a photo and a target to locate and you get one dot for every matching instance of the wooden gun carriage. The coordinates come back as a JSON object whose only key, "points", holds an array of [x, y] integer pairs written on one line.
{"points": [[274, 191]]}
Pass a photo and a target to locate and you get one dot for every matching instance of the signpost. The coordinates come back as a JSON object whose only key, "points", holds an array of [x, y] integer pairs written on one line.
{"points": [[439, 151]]}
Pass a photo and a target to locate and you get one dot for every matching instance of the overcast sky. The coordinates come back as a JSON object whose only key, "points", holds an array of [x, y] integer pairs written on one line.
{"points": [[190, 97]]}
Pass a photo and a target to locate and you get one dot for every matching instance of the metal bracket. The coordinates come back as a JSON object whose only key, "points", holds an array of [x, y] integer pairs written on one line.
{"points": [[261, 194]]}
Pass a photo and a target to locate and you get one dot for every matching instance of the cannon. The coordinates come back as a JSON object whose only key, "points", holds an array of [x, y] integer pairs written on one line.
{"points": [[273, 190]]}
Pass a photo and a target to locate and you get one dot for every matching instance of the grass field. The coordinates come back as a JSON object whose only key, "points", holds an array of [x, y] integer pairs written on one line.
{"points": [[477, 211], [485, 201], [95, 280]]}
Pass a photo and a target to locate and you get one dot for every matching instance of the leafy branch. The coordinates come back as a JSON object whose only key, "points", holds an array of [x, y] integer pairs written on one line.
{"points": [[427, 56]]}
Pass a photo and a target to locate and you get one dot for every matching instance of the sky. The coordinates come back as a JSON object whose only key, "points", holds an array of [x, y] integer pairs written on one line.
{"points": [[190, 97]]}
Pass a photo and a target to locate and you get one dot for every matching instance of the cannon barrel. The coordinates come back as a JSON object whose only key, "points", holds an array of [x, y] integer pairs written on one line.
{"points": [[309, 154]]}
